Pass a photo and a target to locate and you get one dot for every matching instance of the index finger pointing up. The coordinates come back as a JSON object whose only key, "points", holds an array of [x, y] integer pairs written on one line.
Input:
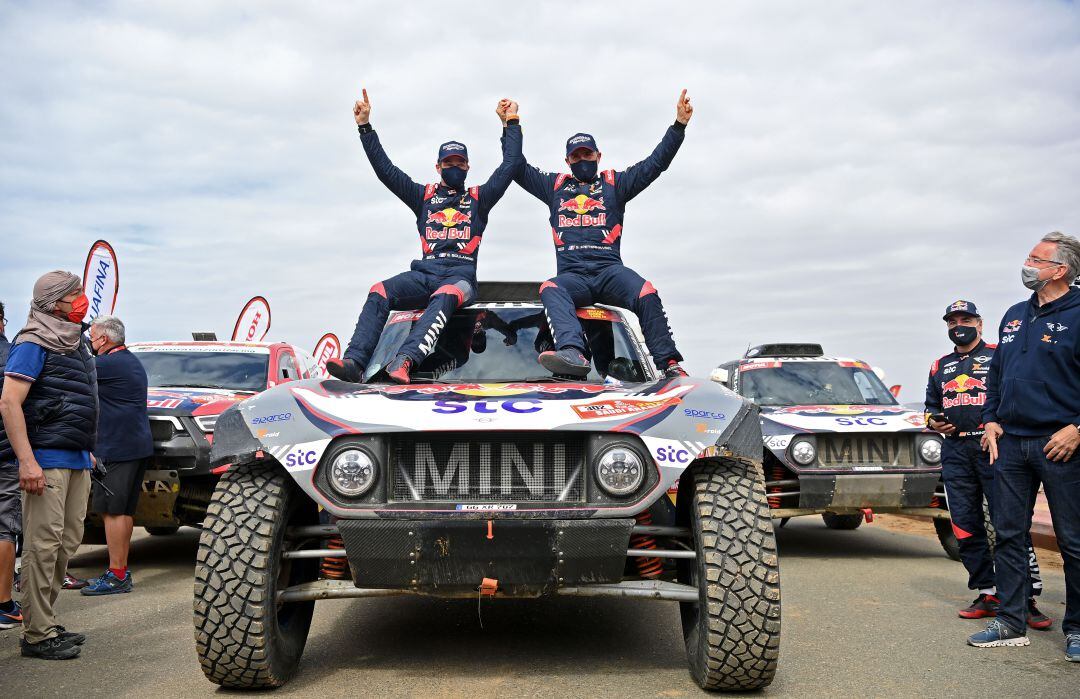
{"points": [[364, 90], [682, 97]]}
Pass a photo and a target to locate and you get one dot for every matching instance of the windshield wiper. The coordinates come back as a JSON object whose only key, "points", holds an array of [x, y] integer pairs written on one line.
{"points": [[556, 379], [206, 385]]}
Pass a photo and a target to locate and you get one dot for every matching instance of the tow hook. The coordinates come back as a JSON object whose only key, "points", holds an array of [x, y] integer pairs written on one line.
{"points": [[868, 515]]}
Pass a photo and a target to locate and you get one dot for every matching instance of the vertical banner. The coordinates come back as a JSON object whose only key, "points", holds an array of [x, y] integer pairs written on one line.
{"points": [[328, 347], [253, 322], [101, 280]]}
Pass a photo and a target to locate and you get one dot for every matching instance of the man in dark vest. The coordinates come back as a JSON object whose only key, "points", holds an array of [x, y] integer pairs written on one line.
{"points": [[50, 410], [124, 445], [10, 509], [450, 219], [586, 215]]}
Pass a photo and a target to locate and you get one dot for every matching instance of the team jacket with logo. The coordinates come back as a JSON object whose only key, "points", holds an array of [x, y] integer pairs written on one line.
{"points": [[1034, 384], [957, 386], [587, 217], [451, 223]]}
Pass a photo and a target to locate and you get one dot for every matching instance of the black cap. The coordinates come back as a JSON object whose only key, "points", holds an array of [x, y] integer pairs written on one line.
{"points": [[580, 140], [965, 307], [453, 148]]}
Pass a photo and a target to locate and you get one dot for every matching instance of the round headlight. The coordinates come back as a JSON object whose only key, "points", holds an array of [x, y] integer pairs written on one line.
{"points": [[803, 452], [620, 471], [352, 473], [930, 450]]}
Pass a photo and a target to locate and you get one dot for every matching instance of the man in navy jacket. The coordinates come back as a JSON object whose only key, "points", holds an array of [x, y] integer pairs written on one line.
{"points": [[450, 219], [124, 445], [586, 215], [1032, 423]]}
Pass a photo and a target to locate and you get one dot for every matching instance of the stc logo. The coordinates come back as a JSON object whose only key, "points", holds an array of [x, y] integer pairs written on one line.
{"points": [[672, 455], [453, 407], [860, 421], [301, 458]]}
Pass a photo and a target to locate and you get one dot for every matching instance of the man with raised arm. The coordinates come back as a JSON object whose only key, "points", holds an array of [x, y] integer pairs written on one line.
{"points": [[450, 219], [586, 215]]}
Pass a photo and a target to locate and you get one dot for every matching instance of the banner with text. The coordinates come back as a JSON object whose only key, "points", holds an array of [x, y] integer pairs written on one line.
{"points": [[101, 280], [254, 321]]}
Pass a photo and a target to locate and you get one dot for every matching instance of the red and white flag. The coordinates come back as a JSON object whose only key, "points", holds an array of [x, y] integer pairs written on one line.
{"points": [[328, 347], [254, 321], [101, 280]]}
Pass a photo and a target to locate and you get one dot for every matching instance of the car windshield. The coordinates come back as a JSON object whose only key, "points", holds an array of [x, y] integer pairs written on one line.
{"points": [[239, 371], [503, 344], [813, 383]]}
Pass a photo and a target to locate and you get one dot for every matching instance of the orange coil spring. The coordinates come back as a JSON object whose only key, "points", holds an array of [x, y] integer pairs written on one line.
{"points": [[335, 568], [647, 567], [934, 502], [779, 473]]}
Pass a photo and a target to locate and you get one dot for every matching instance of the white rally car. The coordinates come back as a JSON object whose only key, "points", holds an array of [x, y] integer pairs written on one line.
{"points": [[837, 442]]}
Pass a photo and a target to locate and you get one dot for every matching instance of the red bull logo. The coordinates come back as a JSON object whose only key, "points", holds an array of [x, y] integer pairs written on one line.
{"points": [[967, 390], [449, 218], [582, 205]]}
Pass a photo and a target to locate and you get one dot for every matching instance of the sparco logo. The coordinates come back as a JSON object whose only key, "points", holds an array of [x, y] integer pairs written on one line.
{"points": [[432, 334]]}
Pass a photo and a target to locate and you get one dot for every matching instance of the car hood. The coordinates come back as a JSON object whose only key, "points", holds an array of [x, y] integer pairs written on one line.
{"points": [[840, 418], [164, 400]]}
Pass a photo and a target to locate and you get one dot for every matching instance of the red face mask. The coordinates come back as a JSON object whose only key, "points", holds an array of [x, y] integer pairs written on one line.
{"points": [[79, 307]]}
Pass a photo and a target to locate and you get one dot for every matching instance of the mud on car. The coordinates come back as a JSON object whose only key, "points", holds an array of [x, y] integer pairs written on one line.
{"points": [[489, 477], [836, 441], [190, 384]]}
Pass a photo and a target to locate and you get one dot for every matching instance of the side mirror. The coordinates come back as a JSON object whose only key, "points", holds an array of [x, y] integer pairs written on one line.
{"points": [[720, 376]]}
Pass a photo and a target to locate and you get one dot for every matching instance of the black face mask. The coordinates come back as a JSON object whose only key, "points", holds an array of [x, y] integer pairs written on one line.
{"points": [[454, 177], [963, 335], [584, 170]]}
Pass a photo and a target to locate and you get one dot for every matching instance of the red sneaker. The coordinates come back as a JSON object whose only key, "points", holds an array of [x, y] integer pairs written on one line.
{"points": [[983, 606], [399, 370], [1036, 619], [674, 371], [73, 583]]}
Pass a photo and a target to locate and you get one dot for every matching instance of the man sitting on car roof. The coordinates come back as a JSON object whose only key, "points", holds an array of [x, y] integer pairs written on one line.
{"points": [[451, 220]]}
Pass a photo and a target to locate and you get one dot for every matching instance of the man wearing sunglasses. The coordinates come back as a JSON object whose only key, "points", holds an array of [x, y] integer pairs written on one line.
{"points": [[1032, 432]]}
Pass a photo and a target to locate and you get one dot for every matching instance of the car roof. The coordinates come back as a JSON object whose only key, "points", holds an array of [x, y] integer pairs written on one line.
{"points": [[832, 360], [195, 346]]}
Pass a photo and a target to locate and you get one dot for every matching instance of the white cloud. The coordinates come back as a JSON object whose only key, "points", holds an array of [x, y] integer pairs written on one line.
{"points": [[850, 170]]}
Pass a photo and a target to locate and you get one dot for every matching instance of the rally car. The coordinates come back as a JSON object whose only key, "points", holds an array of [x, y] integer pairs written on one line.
{"points": [[191, 383], [836, 441], [487, 476]]}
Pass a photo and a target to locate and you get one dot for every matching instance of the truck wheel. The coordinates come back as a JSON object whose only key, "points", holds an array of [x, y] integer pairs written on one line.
{"points": [[162, 531], [842, 521], [244, 639], [945, 535], [732, 632]]}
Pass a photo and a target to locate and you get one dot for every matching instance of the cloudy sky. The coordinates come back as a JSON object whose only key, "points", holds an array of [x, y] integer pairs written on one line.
{"points": [[851, 167]]}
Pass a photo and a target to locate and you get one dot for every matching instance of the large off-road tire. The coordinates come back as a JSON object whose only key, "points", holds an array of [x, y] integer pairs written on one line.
{"points": [[945, 535], [244, 639], [834, 521], [732, 632], [162, 531]]}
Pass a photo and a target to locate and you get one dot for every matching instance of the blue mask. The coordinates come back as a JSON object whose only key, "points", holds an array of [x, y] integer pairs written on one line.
{"points": [[584, 170], [454, 177]]}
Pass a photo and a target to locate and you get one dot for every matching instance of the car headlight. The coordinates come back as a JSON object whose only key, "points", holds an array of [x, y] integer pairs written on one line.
{"points": [[930, 451], [620, 471], [803, 452], [352, 472]]}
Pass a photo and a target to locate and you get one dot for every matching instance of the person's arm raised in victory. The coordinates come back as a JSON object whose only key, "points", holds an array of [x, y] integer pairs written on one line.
{"points": [[493, 190], [532, 180], [637, 177], [403, 187]]}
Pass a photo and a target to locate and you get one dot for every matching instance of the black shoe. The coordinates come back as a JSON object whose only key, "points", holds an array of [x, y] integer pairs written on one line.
{"points": [[565, 362], [345, 370], [50, 649], [984, 606], [73, 637]]}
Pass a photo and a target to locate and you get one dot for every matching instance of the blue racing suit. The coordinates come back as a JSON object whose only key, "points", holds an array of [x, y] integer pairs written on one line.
{"points": [[586, 225], [957, 388], [451, 224]]}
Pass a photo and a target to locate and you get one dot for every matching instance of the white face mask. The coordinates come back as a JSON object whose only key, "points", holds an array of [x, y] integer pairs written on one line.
{"points": [[1030, 277]]}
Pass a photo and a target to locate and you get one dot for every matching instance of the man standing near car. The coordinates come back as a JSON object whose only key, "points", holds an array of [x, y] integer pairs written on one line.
{"points": [[1032, 423], [49, 407], [10, 508], [124, 445], [585, 210], [955, 395]]}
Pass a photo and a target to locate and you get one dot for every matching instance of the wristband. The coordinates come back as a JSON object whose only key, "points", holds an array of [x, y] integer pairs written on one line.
{"points": [[364, 128]]}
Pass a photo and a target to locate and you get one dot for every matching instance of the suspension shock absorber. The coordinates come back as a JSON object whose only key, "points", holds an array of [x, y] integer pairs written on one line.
{"points": [[335, 568], [778, 473], [647, 567]]}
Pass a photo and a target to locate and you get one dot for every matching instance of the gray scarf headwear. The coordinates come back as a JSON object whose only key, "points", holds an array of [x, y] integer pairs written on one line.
{"points": [[42, 327]]}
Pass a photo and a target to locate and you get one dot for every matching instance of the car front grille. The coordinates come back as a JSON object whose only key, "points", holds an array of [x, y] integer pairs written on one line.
{"points": [[888, 450], [488, 467]]}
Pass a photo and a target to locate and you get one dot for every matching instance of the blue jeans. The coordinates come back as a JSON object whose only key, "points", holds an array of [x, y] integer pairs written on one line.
{"points": [[1021, 465], [969, 477]]}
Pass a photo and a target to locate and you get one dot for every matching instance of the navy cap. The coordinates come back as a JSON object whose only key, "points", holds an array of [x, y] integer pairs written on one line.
{"points": [[453, 148], [580, 140], [966, 307]]}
